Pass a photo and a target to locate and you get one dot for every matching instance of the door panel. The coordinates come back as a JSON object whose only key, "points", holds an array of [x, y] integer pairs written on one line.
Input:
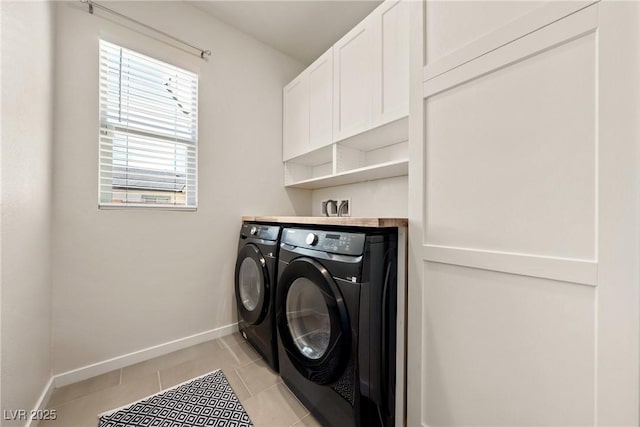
{"points": [[353, 65], [511, 157], [321, 101], [453, 24], [526, 190], [391, 59], [506, 349], [296, 117]]}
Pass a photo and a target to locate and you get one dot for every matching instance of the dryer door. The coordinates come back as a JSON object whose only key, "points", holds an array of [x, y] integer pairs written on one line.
{"points": [[312, 321], [252, 284]]}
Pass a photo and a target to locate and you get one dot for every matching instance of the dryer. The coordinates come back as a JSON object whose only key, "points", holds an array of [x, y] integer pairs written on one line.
{"points": [[336, 317], [255, 284]]}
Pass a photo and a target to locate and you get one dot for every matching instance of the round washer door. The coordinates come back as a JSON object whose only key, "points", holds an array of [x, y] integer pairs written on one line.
{"points": [[312, 321], [252, 284]]}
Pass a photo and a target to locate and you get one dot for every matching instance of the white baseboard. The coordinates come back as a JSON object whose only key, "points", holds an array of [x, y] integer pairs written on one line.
{"points": [[41, 404], [105, 366]]}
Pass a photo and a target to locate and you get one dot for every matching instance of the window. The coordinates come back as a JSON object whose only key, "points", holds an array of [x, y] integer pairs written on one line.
{"points": [[148, 131]]}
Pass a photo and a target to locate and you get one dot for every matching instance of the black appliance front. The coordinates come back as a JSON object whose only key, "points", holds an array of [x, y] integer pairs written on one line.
{"points": [[255, 278], [336, 323]]}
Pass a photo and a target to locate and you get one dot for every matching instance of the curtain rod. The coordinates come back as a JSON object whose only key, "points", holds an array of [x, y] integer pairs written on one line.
{"points": [[93, 4]]}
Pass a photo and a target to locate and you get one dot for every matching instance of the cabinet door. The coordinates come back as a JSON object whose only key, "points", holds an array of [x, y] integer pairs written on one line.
{"points": [[524, 222], [321, 101], [295, 127], [391, 61], [353, 63]]}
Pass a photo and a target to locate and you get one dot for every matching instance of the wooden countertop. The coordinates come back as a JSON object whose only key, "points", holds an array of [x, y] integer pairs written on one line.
{"points": [[331, 220]]}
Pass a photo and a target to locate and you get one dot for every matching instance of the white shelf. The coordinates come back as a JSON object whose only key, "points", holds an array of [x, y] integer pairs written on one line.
{"points": [[381, 152], [368, 173], [314, 158], [379, 136]]}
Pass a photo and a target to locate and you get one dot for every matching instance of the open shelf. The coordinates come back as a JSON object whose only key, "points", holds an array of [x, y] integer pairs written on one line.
{"points": [[367, 173], [316, 164], [350, 159], [381, 152], [314, 158], [380, 136]]}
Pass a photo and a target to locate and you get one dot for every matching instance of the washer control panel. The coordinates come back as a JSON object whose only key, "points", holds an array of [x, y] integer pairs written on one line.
{"points": [[337, 242], [260, 231]]}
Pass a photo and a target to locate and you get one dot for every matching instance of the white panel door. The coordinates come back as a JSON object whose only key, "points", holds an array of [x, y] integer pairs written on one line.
{"points": [[321, 101], [524, 287], [353, 69], [456, 24], [295, 123], [391, 61]]}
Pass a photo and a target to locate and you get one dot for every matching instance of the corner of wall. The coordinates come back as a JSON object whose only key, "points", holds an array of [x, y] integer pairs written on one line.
{"points": [[25, 222]]}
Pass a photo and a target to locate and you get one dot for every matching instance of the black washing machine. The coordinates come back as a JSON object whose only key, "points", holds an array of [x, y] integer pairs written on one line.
{"points": [[255, 280], [336, 318]]}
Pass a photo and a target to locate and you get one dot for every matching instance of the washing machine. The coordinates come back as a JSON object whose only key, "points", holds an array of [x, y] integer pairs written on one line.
{"points": [[255, 284], [336, 321]]}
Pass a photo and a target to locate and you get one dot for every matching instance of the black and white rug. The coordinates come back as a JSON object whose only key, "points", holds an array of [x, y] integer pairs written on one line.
{"points": [[208, 400]]}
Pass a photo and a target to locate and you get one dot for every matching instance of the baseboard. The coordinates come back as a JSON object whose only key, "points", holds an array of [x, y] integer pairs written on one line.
{"points": [[105, 366], [41, 404]]}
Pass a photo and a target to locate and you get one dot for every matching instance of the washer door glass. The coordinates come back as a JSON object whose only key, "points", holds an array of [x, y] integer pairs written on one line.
{"points": [[250, 283], [308, 318]]}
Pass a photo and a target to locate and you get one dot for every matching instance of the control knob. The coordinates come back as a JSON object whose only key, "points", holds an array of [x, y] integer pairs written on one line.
{"points": [[312, 239], [253, 231]]}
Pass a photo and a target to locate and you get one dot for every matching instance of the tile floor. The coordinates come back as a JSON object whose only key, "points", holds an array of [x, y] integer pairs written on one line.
{"points": [[261, 391]]}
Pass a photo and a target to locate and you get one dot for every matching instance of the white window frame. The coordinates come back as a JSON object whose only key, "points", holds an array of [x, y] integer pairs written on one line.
{"points": [[148, 136]]}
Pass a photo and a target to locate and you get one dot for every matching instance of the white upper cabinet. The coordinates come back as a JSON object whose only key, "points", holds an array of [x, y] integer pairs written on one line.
{"points": [[353, 78], [371, 71], [345, 116], [295, 136], [391, 62], [308, 105], [321, 101]]}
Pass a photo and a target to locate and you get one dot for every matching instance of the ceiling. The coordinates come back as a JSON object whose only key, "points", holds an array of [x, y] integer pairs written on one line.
{"points": [[302, 29]]}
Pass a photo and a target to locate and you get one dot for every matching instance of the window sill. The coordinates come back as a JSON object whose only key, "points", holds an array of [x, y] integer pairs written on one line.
{"points": [[132, 206]]}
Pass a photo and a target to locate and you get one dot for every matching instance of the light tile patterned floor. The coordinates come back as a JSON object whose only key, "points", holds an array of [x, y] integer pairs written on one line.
{"points": [[260, 390]]}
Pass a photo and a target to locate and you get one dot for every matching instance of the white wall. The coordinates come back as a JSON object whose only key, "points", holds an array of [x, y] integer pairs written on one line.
{"points": [[125, 280], [27, 76], [380, 198]]}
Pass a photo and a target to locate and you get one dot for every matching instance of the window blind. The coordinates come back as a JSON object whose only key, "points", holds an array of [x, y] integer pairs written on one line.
{"points": [[148, 131]]}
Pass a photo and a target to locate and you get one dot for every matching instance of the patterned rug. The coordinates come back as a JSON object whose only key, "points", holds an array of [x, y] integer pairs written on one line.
{"points": [[208, 400]]}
